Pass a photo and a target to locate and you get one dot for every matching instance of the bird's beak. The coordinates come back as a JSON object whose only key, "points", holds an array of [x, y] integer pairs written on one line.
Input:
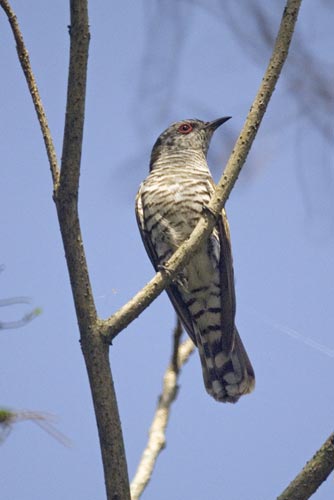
{"points": [[217, 123]]}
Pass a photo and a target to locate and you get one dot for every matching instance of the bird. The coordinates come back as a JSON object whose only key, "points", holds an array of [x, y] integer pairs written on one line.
{"points": [[169, 204]]}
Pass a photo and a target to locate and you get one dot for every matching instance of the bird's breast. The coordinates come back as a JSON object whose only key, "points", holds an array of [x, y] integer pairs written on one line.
{"points": [[173, 204]]}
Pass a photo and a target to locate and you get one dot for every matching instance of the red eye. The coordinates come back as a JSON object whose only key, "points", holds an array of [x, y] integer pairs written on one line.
{"points": [[185, 128]]}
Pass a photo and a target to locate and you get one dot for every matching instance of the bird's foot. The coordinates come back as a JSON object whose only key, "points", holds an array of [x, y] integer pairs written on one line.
{"points": [[206, 209], [179, 280], [163, 269]]}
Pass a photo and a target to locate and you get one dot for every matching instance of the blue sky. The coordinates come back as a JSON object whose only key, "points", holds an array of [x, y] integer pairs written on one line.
{"points": [[152, 63]]}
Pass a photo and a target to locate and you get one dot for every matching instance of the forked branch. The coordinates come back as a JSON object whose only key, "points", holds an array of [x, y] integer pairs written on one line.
{"points": [[66, 187]]}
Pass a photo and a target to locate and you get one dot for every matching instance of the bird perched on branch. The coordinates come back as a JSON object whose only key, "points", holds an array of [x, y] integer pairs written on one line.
{"points": [[169, 205]]}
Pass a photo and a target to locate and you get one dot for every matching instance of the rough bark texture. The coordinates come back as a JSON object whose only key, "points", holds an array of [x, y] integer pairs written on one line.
{"points": [[94, 348], [313, 475]]}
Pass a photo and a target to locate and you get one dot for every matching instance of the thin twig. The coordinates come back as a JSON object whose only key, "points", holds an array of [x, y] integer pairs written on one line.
{"points": [[42, 419], [23, 55], [313, 474], [26, 318], [11, 301], [118, 321], [157, 433]]}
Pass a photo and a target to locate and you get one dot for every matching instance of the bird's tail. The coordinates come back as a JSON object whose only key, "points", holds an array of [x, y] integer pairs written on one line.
{"points": [[226, 378]]}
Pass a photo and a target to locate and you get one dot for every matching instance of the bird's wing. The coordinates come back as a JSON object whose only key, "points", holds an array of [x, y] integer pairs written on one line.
{"points": [[227, 290], [172, 291], [227, 295]]}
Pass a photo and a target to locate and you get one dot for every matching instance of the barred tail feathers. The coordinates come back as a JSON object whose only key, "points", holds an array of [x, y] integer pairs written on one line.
{"points": [[226, 378]]}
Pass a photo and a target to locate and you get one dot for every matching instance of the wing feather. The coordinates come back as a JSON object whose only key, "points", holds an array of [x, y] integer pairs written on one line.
{"points": [[172, 291], [227, 295]]}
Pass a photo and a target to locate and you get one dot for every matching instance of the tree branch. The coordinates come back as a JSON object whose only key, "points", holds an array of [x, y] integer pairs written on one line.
{"points": [[43, 420], [118, 321], [157, 434], [66, 185], [313, 474], [26, 318], [66, 196], [25, 64], [95, 350]]}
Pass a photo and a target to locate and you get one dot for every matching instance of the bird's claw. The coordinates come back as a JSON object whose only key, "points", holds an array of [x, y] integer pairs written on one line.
{"points": [[163, 269], [208, 210], [179, 280]]}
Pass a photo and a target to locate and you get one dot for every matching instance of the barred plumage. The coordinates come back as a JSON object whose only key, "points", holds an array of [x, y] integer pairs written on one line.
{"points": [[168, 206]]}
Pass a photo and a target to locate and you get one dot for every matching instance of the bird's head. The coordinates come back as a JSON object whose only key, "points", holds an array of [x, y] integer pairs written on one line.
{"points": [[187, 135]]}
